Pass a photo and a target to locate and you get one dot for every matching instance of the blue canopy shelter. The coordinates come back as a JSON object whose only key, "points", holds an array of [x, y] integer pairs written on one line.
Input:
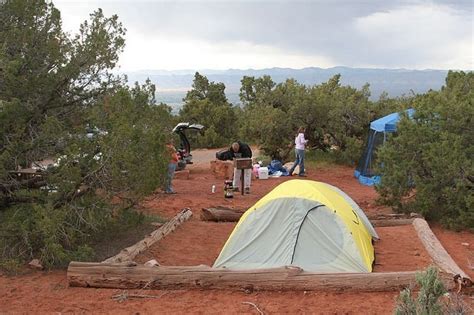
{"points": [[377, 136]]}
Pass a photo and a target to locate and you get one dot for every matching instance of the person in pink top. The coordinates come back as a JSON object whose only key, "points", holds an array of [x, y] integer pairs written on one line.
{"points": [[300, 143]]}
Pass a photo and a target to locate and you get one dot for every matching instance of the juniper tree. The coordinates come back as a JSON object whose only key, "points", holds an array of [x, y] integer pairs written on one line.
{"points": [[429, 166], [207, 104], [52, 87]]}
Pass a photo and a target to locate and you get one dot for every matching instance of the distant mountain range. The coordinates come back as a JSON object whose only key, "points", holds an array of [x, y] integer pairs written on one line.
{"points": [[173, 85]]}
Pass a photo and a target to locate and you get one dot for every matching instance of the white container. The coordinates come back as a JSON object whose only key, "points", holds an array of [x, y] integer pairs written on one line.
{"points": [[263, 173]]}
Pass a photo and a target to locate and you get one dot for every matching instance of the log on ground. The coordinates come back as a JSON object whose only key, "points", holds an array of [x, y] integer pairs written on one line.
{"points": [[390, 222], [129, 253], [389, 216], [435, 249], [220, 214], [100, 275]]}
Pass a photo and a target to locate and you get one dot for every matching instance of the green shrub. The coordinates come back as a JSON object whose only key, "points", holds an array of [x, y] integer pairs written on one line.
{"points": [[11, 266], [351, 153], [427, 301], [429, 167], [333, 115], [57, 236], [54, 87], [211, 139], [431, 299], [206, 104]]}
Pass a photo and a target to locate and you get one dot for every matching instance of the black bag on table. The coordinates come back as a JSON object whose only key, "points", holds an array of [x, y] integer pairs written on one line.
{"points": [[224, 155]]}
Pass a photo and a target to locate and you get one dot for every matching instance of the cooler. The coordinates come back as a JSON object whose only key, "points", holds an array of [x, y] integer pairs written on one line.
{"points": [[263, 173]]}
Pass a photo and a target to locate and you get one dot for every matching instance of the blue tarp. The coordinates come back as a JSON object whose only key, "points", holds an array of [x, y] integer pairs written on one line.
{"points": [[377, 135], [277, 166], [389, 123], [367, 180]]}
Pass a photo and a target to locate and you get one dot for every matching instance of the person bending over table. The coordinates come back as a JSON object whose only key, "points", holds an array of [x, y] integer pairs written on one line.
{"points": [[241, 150]]}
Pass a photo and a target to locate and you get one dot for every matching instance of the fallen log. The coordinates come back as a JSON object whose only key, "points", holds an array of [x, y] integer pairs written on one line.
{"points": [[220, 214], [223, 214], [121, 276], [379, 216], [435, 249], [129, 253], [391, 222]]}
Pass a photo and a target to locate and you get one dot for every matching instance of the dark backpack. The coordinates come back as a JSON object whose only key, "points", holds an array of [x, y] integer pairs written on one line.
{"points": [[224, 155]]}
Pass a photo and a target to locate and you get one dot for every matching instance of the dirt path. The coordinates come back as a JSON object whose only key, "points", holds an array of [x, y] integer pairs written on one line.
{"points": [[198, 242]]}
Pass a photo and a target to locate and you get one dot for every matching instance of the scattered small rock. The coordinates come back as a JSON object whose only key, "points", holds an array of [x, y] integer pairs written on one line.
{"points": [[248, 289], [36, 264], [465, 244], [152, 263]]}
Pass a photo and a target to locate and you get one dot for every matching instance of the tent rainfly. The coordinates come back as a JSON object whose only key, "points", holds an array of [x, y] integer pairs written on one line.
{"points": [[303, 223], [377, 136]]}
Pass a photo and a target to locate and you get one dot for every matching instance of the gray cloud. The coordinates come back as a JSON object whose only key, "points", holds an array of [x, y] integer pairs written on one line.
{"points": [[352, 33]]}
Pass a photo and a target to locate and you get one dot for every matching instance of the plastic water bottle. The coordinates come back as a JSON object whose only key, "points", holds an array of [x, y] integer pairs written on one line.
{"points": [[213, 189]]}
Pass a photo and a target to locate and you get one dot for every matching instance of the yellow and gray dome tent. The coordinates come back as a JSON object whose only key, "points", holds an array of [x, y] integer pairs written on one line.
{"points": [[303, 223]]}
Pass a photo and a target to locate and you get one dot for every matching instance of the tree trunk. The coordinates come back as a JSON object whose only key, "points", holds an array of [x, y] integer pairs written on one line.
{"points": [[100, 275], [129, 253]]}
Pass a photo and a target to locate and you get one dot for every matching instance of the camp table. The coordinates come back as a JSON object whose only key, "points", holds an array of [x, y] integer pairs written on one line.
{"points": [[242, 164]]}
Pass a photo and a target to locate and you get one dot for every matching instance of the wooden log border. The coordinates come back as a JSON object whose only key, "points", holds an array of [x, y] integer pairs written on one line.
{"points": [[121, 276], [390, 222], [132, 276], [224, 214], [129, 253], [435, 249]]}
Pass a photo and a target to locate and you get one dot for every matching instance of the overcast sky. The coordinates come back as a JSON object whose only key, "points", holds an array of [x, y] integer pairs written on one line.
{"points": [[171, 35]]}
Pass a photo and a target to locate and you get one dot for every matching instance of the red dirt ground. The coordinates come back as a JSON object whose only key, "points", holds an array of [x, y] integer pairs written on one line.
{"points": [[197, 242]]}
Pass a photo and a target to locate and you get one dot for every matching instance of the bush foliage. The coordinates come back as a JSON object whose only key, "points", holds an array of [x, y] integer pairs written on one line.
{"points": [[52, 89], [335, 117], [430, 299], [429, 166], [207, 104]]}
